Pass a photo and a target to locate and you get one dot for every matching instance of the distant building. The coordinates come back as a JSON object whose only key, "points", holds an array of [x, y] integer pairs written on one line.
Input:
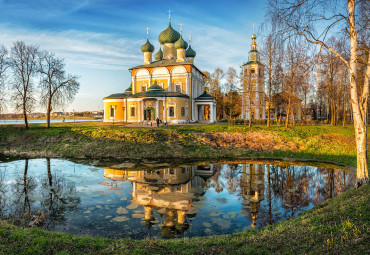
{"points": [[253, 93], [170, 88]]}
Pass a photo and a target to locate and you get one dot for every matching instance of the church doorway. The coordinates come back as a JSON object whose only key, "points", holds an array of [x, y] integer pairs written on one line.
{"points": [[207, 112], [149, 113]]}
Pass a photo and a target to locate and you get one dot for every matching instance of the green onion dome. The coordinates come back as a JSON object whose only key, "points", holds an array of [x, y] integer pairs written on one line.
{"points": [[129, 90], [181, 44], [155, 87], [147, 47], [159, 55], [169, 35], [190, 53]]}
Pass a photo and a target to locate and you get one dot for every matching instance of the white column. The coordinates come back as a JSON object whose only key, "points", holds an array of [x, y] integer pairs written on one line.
{"points": [[157, 109], [139, 110], [187, 84], [170, 83], [211, 112]]}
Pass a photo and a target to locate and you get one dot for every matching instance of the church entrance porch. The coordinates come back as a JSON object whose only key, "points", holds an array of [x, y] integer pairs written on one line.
{"points": [[205, 112], [149, 113]]}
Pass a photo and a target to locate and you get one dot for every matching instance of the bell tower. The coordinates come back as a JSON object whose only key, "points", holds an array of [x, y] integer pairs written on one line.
{"points": [[253, 98]]}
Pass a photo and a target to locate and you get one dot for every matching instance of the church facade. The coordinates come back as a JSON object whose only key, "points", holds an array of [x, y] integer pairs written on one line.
{"points": [[253, 96], [170, 88]]}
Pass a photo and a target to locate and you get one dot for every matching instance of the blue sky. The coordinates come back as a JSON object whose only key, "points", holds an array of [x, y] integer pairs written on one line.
{"points": [[101, 39]]}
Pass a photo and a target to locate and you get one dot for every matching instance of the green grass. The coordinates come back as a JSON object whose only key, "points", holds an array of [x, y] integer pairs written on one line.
{"points": [[337, 226], [98, 140]]}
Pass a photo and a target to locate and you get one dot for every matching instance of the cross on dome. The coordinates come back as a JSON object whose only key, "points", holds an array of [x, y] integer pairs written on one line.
{"points": [[169, 15], [181, 28], [147, 33]]}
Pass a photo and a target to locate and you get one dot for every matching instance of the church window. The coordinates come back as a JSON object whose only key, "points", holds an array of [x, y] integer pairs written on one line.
{"points": [[172, 171], [132, 112], [171, 111], [261, 116], [252, 102], [253, 73], [111, 113], [178, 86], [182, 111], [143, 87]]}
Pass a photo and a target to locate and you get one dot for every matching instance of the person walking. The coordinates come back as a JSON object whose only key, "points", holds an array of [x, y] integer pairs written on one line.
{"points": [[157, 122]]}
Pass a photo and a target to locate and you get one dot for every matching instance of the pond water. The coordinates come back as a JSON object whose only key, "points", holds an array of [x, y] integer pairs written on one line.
{"points": [[163, 201]]}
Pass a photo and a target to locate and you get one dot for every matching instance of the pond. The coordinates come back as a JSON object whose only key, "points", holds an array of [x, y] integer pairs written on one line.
{"points": [[163, 200]]}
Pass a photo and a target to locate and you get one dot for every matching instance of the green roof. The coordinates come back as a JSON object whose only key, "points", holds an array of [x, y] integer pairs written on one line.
{"points": [[252, 62], [190, 53], [155, 87], [169, 35], [147, 47], [159, 55], [204, 96], [254, 51], [149, 95], [129, 90], [116, 96], [181, 44]]}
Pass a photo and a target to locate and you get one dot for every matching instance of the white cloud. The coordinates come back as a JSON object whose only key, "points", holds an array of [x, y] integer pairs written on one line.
{"points": [[88, 49]]}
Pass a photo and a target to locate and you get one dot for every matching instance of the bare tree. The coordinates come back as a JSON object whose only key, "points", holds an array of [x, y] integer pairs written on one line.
{"points": [[57, 87], [304, 17], [231, 87], [270, 54], [214, 88], [3, 66], [23, 61]]}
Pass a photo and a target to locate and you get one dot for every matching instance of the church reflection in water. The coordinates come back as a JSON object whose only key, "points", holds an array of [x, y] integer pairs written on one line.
{"points": [[170, 191], [266, 193]]}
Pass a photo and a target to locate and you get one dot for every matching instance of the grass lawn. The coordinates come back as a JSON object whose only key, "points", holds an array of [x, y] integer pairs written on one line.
{"points": [[98, 140], [337, 226]]}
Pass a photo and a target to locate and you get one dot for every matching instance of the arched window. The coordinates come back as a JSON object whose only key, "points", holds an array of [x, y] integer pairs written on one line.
{"points": [[143, 87], [111, 112], [132, 112], [253, 73], [178, 86], [182, 111]]}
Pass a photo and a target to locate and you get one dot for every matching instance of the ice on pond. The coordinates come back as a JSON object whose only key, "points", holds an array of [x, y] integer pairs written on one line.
{"points": [[207, 225], [224, 224], [132, 206], [215, 213], [230, 215], [120, 219], [121, 210]]}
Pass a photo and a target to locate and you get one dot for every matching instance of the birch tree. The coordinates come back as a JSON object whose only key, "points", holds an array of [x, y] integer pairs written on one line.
{"points": [[314, 20], [23, 61]]}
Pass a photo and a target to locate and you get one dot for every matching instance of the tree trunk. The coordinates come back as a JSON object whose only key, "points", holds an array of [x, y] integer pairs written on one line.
{"points": [[25, 113], [287, 113], [48, 112], [359, 120]]}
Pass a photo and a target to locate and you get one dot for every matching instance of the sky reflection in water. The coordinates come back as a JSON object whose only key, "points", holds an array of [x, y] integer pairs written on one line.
{"points": [[168, 202]]}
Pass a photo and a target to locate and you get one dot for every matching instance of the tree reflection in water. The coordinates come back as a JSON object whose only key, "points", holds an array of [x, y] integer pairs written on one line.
{"points": [[175, 201], [268, 193], [46, 196]]}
